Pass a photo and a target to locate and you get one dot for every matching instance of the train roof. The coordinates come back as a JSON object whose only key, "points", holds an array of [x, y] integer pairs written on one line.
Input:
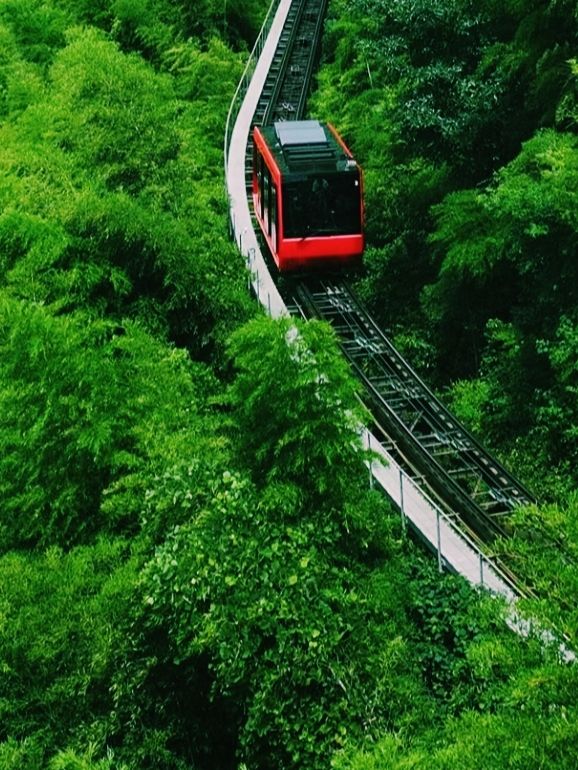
{"points": [[306, 146]]}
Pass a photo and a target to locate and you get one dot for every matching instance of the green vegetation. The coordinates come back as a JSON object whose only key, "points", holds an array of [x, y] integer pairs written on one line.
{"points": [[194, 573], [464, 116]]}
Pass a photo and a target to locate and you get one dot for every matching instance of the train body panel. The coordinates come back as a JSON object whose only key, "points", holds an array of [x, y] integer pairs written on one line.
{"points": [[307, 195]]}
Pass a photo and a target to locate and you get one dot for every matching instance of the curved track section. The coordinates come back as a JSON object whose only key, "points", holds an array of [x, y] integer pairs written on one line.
{"points": [[446, 486]]}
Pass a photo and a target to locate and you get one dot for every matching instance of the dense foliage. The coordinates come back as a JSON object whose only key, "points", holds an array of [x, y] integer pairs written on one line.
{"points": [[194, 573], [465, 118], [464, 115]]}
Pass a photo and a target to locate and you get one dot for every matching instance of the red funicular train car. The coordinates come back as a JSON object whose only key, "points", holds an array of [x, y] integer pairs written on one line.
{"points": [[307, 195]]}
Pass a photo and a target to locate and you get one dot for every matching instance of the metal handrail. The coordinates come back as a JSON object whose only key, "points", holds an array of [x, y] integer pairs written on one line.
{"points": [[406, 483], [239, 95]]}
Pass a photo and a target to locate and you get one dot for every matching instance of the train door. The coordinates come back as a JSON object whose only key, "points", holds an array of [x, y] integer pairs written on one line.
{"points": [[265, 197]]}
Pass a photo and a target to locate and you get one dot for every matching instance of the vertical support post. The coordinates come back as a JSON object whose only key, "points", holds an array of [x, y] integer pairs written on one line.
{"points": [[242, 235], [481, 569], [370, 460], [250, 260], [402, 503], [439, 541]]}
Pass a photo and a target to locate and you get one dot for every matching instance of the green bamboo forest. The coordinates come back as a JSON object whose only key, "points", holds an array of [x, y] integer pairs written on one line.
{"points": [[194, 571]]}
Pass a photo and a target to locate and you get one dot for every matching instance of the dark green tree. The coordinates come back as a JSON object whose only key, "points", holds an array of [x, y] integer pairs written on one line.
{"points": [[65, 617], [83, 406], [300, 427], [120, 207], [275, 603]]}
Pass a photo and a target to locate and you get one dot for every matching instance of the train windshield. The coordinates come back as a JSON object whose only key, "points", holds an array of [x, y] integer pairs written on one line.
{"points": [[322, 204]]}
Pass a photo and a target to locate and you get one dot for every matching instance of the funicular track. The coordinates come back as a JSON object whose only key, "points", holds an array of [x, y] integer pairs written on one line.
{"points": [[284, 94], [418, 429], [463, 477], [473, 491]]}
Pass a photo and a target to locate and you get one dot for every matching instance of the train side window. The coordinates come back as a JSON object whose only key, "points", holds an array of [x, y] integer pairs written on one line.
{"points": [[260, 179], [267, 200], [273, 214]]}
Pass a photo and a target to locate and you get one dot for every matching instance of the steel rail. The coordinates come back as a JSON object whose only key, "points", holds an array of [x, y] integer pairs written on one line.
{"points": [[463, 475], [289, 96], [457, 468]]}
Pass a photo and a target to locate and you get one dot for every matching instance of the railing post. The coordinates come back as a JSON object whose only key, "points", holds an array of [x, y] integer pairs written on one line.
{"points": [[402, 503], [481, 569], [370, 460], [250, 256], [439, 540]]}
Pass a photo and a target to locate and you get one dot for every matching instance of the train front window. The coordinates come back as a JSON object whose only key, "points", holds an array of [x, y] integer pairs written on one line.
{"points": [[322, 204]]}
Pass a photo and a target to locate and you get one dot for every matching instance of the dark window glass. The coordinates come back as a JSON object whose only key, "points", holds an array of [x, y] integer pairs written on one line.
{"points": [[322, 204], [273, 213], [260, 165], [266, 200]]}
